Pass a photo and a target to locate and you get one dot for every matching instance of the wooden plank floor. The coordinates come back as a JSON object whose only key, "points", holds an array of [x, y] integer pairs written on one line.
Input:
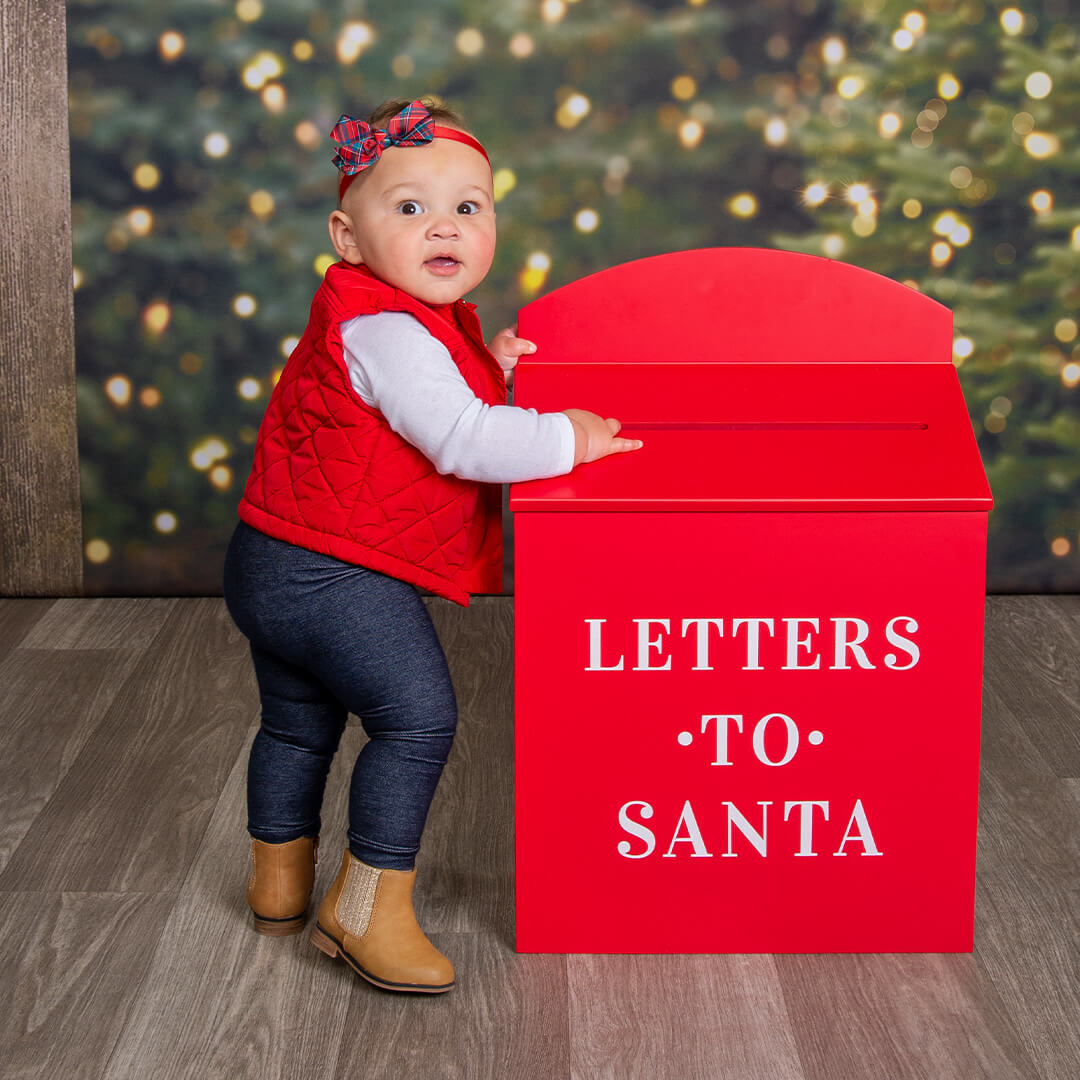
{"points": [[126, 951]]}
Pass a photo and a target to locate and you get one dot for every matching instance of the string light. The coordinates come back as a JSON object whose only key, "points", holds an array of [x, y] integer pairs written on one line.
{"points": [[940, 253], [303, 50], [535, 272], [1060, 546], [833, 50], [1012, 21], [273, 97], [833, 245], [573, 109], [354, 38], [889, 124], [323, 263], [851, 86], [856, 193], [552, 10], [816, 193], [776, 131], [903, 40], [261, 69], [469, 42], [948, 86], [691, 133], [170, 45], [1038, 85], [249, 10], [1070, 375], [1041, 144], [521, 46], [156, 316], [586, 220], [914, 21], [207, 453], [1065, 330], [287, 344], [76, 277], [216, 144], [261, 204], [743, 205], [118, 390], [1042, 202], [962, 348], [146, 176], [307, 135], [149, 397], [503, 181], [165, 521], [244, 305], [97, 551], [683, 87], [249, 388], [221, 476], [140, 220]]}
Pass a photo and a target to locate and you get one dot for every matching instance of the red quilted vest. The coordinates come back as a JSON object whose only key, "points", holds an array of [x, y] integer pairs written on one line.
{"points": [[332, 476]]}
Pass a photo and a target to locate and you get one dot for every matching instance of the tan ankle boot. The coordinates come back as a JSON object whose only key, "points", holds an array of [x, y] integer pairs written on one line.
{"points": [[279, 886], [367, 918]]}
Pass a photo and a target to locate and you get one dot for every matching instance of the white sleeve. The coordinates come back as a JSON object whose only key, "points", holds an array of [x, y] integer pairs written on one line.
{"points": [[399, 368]]}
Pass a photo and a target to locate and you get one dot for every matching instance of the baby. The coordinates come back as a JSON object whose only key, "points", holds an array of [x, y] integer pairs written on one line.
{"points": [[377, 470]]}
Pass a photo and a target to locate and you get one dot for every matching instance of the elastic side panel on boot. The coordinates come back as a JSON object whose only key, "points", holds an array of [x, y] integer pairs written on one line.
{"points": [[357, 897]]}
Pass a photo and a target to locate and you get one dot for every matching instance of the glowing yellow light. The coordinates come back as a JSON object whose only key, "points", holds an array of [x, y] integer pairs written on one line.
{"points": [[851, 86], [1012, 21], [205, 454], [816, 193], [118, 390], [573, 109], [354, 38], [1042, 202], [1023, 122], [307, 135], [249, 10], [1074, 238], [948, 86], [146, 176], [261, 204], [963, 347], [1065, 330], [249, 389], [1070, 375], [273, 97], [915, 21], [539, 260], [469, 42], [940, 253], [156, 316], [170, 45], [691, 133], [888, 124], [833, 50], [960, 176], [97, 551], [76, 277], [1038, 84], [683, 87], [586, 220], [945, 223], [165, 521], [140, 221], [1060, 546], [275, 375], [856, 193], [868, 207], [260, 69], [521, 45], [504, 181], [776, 131], [743, 205], [533, 276], [961, 235], [833, 245], [221, 476], [287, 344], [303, 50], [863, 225], [149, 397], [216, 144], [323, 263], [552, 10], [244, 305], [1041, 144], [903, 40]]}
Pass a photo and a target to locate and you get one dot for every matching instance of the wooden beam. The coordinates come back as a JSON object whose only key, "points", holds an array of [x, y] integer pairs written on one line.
{"points": [[40, 508]]}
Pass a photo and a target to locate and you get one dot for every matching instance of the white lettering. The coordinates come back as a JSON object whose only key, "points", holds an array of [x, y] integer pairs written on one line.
{"points": [[759, 739], [753, 633], [645, 643], [806, 824], [843, 644], [693, 835], [734, 817], [794, 643], [721, 734], [703, 639], [595, 663], [864, 835], [893, 638], [634, 828]]}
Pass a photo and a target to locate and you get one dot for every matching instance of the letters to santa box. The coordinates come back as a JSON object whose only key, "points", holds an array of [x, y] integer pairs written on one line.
{"points": [[749, 655]]}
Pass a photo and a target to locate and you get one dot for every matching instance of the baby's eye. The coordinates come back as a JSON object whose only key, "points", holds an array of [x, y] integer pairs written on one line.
{"points": [[409, 206], [469, 207]]}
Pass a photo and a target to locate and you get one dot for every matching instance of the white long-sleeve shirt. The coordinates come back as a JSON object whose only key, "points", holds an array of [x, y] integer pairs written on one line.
{"points": [[397, 366]]}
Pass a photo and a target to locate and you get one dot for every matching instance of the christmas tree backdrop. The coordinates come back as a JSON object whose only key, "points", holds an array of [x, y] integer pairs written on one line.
{"points": [[935, 144]]}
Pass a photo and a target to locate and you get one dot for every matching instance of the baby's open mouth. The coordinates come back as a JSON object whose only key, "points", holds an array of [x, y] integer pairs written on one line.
{"points": [[442, 264]]}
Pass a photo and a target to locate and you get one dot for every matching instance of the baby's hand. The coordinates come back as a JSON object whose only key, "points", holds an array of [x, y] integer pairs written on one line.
{"points": [[595, 437], [506, 347]]}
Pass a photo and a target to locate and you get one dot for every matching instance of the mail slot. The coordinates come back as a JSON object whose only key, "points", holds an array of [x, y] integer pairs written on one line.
{"points": [[748, 660]]}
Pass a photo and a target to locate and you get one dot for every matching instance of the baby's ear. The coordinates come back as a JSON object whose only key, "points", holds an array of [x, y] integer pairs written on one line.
{"points": [[343, 237]]}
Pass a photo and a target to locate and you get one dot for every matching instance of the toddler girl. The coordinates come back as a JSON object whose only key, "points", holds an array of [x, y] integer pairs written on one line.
{"points": [[377, 470]]}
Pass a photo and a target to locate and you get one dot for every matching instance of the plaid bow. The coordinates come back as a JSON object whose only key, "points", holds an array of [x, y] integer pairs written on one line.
{"points": [[362, 144]]}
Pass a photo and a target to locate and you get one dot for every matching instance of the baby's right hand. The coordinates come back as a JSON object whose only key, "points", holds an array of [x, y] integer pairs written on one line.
{"points": [[595, 437]]}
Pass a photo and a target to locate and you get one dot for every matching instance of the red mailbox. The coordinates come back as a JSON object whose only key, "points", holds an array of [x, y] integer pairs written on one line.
{"points": [[749, 655]]}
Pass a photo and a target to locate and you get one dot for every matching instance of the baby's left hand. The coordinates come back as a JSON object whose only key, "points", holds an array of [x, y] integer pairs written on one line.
{"points": [[506, 347]]}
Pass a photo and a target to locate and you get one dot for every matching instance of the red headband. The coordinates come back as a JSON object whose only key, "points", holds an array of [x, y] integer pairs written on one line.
{"points": [[362, 145]]}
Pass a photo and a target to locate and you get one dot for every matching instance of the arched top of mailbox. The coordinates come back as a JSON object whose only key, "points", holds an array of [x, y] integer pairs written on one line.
{"points": [[738, 305]]}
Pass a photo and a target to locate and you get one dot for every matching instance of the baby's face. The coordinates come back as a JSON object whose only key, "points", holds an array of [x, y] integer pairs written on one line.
{"points": [[424, 219]]}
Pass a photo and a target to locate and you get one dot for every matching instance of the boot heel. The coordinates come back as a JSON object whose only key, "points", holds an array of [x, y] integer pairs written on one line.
{"points": [[323, 942], [279, 927]]}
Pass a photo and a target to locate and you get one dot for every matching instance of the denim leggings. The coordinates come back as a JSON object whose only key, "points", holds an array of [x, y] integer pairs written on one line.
{"points": [[329, 638]]}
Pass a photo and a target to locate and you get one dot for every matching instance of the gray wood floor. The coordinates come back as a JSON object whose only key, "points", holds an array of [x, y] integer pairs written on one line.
{"points": [[126, 949]]}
